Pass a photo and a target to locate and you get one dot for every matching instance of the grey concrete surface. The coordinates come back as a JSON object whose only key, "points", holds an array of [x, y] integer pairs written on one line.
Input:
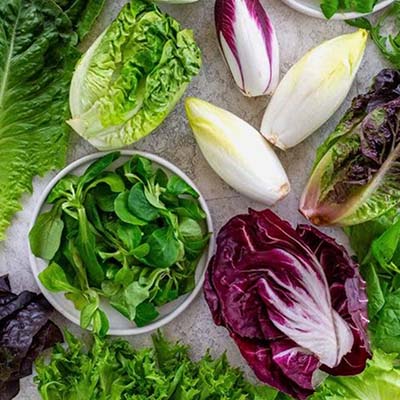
{"points": [[297, 33]]}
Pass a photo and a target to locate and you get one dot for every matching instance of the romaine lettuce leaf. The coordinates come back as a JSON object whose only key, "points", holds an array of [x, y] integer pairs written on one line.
{"points": [[132, 76], [356, 173], [37, 56], [82, 13]]}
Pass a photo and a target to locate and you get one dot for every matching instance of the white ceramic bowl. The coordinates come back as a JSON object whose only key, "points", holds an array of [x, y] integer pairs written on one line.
{"points": [[119, 325], [312, 8]]}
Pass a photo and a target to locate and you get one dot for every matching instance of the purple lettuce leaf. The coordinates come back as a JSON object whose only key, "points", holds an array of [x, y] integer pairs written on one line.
{"points": [[25, 331], [356, 172], [4, 284]]}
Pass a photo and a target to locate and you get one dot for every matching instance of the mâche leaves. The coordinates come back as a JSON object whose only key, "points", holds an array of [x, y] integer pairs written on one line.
{"points": [[123, 235], [37, 57], [51, 225], [387, 43]]}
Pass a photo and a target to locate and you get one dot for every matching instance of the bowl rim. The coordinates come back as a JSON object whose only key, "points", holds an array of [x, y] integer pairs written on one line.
{"points": [[208, 252], [338, 16]]}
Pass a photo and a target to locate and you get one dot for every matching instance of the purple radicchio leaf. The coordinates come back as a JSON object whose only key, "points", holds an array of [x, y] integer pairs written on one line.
{"points": [[262, 270], [349, 296], [249, 45]]}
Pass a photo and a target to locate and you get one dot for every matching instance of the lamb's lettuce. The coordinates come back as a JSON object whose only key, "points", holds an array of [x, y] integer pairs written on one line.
{"points": [[37, 56], [132, 76], [387, 40]]}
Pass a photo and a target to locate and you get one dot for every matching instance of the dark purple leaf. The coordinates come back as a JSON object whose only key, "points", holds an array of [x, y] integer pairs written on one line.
{"points": [[25, 331], [9, 390], [18, 303], [4, 284], [47, 337]]}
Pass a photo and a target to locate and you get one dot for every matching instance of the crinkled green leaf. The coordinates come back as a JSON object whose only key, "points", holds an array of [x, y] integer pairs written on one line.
{"points": [[132, 76], [37, 58], [113, 370]]}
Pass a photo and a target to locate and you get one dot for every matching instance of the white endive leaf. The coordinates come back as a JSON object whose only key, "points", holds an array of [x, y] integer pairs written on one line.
{"points": [[249, 45], [237, 152], [313, 90]]}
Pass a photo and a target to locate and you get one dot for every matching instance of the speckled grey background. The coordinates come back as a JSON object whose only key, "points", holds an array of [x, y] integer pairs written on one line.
{"points": [[297, 33]]}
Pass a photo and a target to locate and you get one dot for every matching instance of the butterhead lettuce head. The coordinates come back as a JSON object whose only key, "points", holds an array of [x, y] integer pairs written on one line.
{"points": [[132, 76]]}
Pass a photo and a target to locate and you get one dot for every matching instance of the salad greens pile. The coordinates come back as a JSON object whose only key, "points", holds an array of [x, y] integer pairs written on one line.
{"points": [[331, 7], [132, 76], [38, 52], [114, 370], [133, 235]]}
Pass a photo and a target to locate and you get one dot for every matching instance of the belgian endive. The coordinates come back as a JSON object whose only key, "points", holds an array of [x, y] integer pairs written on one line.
{"points": [[249, 45], [313, 90], [237, 152]]}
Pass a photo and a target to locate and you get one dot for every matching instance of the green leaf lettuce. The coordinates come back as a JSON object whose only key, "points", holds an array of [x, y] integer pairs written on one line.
{"points": [[132, 76], [37, 57], [380, 381]]}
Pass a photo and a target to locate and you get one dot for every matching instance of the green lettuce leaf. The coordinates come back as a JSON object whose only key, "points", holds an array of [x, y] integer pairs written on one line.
{"points": [[113, 370], [377, 246], [82, 13], [132, 76], [386, 40], [37, 57], [380, 381]]}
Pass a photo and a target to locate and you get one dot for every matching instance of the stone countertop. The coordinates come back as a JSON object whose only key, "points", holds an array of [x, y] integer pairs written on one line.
{"points": [[173, 140]]}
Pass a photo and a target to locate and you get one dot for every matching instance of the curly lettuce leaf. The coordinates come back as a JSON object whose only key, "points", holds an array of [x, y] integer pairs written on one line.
{"points": [[132, 76], [37, 57], [114, 370]]}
